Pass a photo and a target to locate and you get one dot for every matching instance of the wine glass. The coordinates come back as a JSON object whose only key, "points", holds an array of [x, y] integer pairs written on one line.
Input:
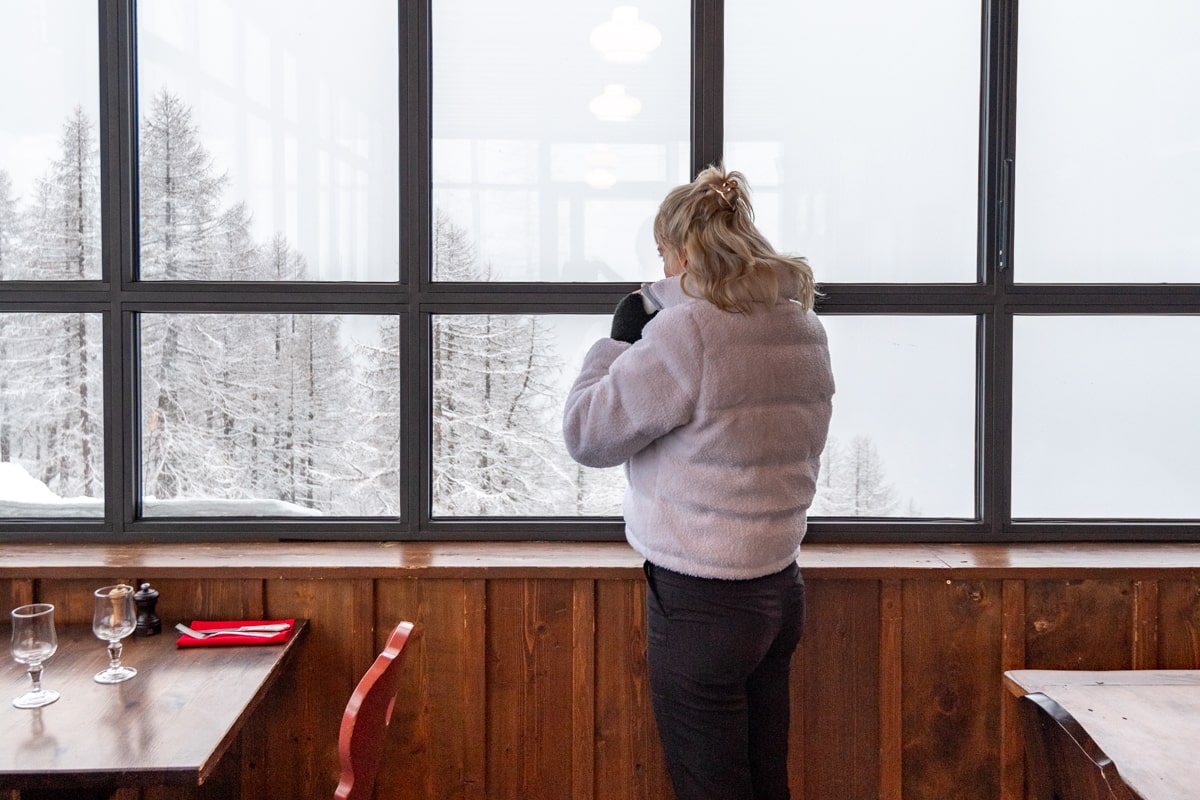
{"points": [[33, 642], [113, 619]]}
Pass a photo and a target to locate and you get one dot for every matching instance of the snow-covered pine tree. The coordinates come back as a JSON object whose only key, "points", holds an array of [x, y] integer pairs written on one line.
{"points": [[373, 448], [494, 408], [321, 394], [10, 269], [853, 481], [65, 235], [184, 236], [180, 195], [59, 371], [10, 231]]}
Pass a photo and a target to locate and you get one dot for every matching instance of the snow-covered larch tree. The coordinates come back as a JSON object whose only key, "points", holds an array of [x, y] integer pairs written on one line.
{"points": [[373, 480], [853, 481], [494, 408], [54, 360]]}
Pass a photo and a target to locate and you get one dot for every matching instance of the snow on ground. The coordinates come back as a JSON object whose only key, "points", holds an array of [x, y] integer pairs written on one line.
{"points": [[23, 496]]}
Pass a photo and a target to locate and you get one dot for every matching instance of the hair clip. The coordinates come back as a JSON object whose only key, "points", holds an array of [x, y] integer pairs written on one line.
{"points": [[724, 190]]}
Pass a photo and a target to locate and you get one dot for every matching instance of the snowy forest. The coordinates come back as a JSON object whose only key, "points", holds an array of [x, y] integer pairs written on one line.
{"points": [[281, 414]]}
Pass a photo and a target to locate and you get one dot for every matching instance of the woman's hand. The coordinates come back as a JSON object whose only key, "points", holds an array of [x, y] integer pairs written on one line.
{"points": [[629, 318]]}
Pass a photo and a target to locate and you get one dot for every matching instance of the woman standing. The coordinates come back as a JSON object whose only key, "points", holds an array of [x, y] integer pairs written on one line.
{"points": [[715, 392]]}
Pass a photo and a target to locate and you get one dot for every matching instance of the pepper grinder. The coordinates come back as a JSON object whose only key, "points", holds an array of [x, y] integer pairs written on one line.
{"points": [[148, 623]]}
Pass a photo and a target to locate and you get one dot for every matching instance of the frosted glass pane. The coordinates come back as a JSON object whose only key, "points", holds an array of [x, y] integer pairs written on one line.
{"points": [[51, 416], [1108, 142], [903, 430], [1104, 419], [857, 123], [49, 141], [549, 155], [499, 387], [268, 140], [270, 415]]}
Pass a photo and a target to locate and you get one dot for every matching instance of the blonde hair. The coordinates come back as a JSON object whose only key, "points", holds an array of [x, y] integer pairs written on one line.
{"points": [[729, 262]]}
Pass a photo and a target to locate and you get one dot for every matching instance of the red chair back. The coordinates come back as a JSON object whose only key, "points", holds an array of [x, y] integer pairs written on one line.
{"points": [[365, 722]]}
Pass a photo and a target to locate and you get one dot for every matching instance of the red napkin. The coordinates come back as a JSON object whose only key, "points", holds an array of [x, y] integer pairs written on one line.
{"points": [[231, 638]]}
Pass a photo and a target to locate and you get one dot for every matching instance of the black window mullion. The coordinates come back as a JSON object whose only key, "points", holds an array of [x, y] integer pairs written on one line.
{"points": [[997, 173], [416, 270], [117, 127], [708, 83]]}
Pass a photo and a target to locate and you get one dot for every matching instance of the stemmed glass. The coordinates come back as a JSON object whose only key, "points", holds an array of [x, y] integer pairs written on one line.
{"points": [[33, 642], [113, 619]]}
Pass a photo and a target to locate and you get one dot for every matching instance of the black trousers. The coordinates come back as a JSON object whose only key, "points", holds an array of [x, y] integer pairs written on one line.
{"points": [[719, 653]]}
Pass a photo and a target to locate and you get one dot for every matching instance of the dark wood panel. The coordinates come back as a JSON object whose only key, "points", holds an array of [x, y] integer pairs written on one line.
{"points": [[523, 686], [436, 743], [186, 599], [306, 706], [583, 689], [1079, 624], [1144, 654], [952, 657], [1179, 624], [628, 756], [891, 690], [834, 749], [15, 592], [73, 598], [529, 681], [1012, 656]]}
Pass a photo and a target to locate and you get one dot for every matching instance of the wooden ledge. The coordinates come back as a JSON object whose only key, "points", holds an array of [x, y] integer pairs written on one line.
{"points": [[588, 560]]}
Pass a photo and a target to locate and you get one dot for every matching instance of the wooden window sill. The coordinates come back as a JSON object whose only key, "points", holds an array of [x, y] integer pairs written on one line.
{"points": [[603, 560]]}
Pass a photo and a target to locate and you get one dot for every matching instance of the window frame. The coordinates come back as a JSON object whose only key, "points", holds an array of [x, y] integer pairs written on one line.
{"points": [[995, 299]]}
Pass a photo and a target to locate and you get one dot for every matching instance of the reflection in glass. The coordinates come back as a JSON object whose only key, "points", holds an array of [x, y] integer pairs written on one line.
{"points": [[51, 425], [266, 127], [552, 155], [261, 415], [49, 141], [1104, 418], [499, 386], [1108, 143], [857, 124], [901, 439]]}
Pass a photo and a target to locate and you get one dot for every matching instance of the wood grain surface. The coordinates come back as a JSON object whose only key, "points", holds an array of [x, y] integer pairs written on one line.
{"points": [[526, 674], [169, 724]]}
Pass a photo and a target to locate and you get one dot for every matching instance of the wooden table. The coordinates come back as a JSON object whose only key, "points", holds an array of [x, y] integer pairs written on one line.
{"points": [[1146, 721], [169, 724]]}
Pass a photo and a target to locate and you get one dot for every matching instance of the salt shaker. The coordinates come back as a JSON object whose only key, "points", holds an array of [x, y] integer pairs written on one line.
{"points": [[148, 623]]}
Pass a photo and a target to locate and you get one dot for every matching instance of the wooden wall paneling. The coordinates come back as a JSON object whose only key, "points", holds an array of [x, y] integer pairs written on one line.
{"points": [[1012, 656], [834, 752], [891, 685], [187, 599], [583, 689], [72, 597], [436, 744], [627, 753], [297, 724], [952, 658], [529, 703], [1079, 624], [1179, 624], [15, 592], [1145, 625]]}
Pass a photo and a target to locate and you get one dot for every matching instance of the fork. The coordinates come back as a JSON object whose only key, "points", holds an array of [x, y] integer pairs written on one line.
{"points": [[244, 630]]}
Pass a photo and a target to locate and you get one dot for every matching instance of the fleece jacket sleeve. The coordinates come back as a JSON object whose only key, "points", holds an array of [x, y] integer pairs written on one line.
{"points": [[626, 396]]}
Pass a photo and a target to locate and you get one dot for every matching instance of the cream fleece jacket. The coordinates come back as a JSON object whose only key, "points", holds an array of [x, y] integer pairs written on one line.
{"points": [[720, 419]]}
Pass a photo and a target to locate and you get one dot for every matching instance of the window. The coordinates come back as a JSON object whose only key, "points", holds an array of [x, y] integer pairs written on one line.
{"points": [[280, 270]]}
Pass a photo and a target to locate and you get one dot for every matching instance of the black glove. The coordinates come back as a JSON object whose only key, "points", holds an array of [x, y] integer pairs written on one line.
{"points": [[629, 318]]}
